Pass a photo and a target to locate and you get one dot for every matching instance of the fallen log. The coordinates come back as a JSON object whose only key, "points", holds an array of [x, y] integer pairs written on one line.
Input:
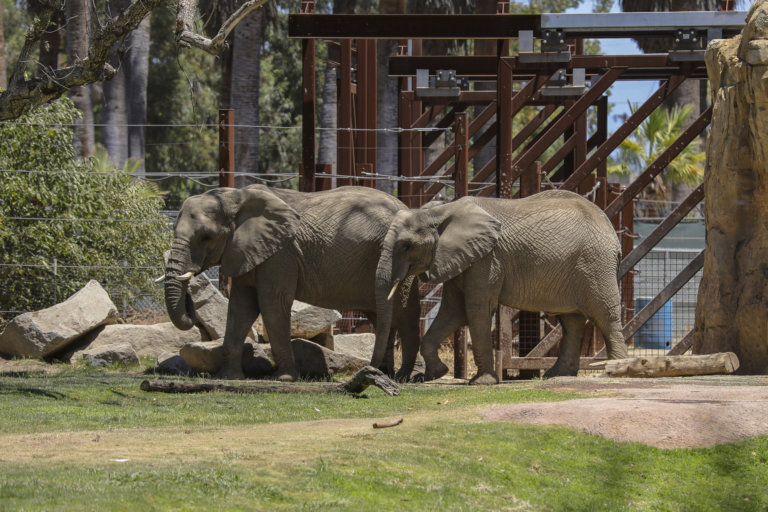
{"points": [[670, 366], [367, 376], [388, 424]]}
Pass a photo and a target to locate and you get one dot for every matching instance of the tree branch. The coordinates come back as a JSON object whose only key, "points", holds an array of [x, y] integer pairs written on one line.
{"points": [[24, 94], [187, 37]]}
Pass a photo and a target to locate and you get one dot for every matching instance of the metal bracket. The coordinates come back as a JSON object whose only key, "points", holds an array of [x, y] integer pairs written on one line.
{"points": [[687, 39], [443, 84], [558, 84], [554, 47], [553, 40]]}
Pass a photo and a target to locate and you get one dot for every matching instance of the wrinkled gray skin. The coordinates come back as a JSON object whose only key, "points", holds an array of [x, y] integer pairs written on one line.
{"points": [[553, 251], [279, 245]]}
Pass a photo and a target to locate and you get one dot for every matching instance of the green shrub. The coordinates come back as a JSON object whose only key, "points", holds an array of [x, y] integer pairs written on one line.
{"points": [[93, 220]]}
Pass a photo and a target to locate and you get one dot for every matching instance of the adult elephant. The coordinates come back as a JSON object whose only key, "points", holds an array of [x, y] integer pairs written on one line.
{"points": [[553, 251], [278, 245]]}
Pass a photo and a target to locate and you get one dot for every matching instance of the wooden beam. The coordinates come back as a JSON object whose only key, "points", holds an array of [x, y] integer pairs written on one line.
{"points": [[671, 366]]}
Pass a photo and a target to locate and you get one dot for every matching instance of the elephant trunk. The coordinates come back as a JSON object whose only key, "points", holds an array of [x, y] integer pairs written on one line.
{"points": [[178, 303], [387, 282]]}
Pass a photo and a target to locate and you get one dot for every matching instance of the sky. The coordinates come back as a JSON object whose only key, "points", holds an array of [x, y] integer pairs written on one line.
{"points": [[622, 91]]}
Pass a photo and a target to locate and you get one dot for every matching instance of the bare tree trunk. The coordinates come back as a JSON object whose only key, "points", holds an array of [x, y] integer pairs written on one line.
{"points": [[77, 49], [114, 111], [3, 75], [137, 67], [387, 101], [246, 56], [326, 153]]}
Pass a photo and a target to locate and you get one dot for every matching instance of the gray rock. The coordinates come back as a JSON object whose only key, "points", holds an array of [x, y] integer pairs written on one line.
{"points": [[358, 345], [172, 362], [46, 332], [106, 355], [146, 340], [210, 307], [208, 357], [307, 321], [324, 339], [316, 362]]}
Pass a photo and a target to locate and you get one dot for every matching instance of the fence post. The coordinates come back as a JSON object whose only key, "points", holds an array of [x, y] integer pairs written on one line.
{"points": [[226, 169], [461, 187]]}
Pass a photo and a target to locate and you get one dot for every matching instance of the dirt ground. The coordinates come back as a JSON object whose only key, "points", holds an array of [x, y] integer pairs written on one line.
{"points": [[665, 413]]}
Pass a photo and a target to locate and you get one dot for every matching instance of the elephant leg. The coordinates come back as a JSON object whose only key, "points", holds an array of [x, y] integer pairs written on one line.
{"points": [[407, 322], [276, 314], [609, 323], [450, 317], [482, 346], [242, 311], [567, 364]]}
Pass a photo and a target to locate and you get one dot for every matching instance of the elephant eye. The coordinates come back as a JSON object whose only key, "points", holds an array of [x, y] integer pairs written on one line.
{"points": [[407, 246]]}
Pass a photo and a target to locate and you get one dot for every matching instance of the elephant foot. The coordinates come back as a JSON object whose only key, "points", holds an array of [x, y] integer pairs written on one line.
{"points": [[484, 379], [435, 371], [559, 370], [388, 370]]}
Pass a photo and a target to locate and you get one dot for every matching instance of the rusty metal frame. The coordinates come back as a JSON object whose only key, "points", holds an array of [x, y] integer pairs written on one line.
{"points": [[580, 162]]}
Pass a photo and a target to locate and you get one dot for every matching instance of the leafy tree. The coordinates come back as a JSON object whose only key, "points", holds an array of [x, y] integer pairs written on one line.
{"points": [[183, 94], [653, 136], [95, 221]]}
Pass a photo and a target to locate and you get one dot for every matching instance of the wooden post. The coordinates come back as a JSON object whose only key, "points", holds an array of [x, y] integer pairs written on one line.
{"points": [[461, 187], [226, 170]]}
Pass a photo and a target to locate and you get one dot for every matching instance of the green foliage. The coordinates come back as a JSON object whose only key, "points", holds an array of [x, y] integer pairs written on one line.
{"points": [[95, 221], [183, 91], [653, 136]]}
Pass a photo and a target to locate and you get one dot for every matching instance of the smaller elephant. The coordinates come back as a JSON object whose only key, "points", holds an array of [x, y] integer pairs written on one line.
{"points": [[553, 251]]}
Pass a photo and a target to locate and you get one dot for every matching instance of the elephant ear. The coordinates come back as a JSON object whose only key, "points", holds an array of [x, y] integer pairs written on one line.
{"points": [[263, 224], [466, 233]]}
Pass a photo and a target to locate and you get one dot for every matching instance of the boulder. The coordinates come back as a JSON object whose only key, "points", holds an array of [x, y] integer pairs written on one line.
{"points": [[208, 357], [307, 321], [146, 340], [316, 362], [105, 355], [732, 303], [49, 331], [357, 345], [210, 306], [172, 362]]}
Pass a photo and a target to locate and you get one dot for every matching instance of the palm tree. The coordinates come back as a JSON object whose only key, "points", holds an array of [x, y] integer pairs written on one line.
{"points": [[653, 136]]}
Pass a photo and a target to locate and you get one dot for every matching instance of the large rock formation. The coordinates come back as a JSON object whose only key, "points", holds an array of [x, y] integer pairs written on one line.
{"points": [[733, 296], [49, 331]]}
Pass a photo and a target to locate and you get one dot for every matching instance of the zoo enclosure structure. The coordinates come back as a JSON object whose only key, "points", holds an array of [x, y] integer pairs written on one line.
{"points": [[549, 74]]}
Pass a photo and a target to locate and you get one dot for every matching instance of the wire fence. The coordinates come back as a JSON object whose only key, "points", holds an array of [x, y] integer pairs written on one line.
{"points": [[651, 274]]}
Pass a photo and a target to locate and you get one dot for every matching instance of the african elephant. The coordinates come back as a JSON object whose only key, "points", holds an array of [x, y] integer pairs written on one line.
{"points": [[278, 245], [553, 251]]}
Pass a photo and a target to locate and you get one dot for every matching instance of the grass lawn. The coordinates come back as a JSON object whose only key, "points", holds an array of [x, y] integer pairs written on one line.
{"points": [[87, 439]]}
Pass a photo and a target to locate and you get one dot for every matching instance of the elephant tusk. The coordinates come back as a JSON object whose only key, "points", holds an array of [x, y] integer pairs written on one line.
{"points": [[394, 289], [185, 277], [160, 279]]}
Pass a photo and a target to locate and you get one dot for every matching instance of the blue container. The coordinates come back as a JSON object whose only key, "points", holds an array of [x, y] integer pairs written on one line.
{"points": [[657, 332]]}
